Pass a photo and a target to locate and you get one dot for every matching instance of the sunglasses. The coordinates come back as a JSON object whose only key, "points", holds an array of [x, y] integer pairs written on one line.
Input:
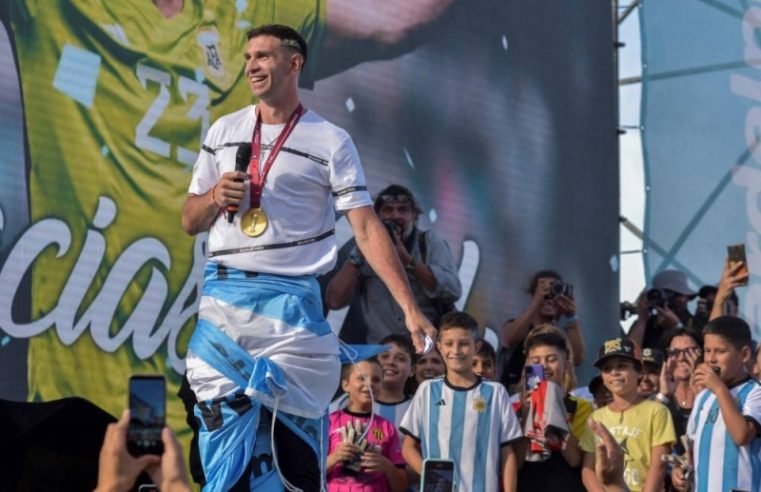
{"points": [[395, 198], [675, 352]]}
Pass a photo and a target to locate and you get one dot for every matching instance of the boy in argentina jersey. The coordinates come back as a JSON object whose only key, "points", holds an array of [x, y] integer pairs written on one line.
{"points": [[724, 423], [462, 417]]}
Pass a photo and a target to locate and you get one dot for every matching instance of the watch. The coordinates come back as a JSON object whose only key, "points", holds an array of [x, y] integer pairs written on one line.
{"points": [[356, 260], [411, 265]]}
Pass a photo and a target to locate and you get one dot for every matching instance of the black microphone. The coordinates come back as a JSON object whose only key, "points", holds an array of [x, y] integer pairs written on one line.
{"points": [[242, 157]]}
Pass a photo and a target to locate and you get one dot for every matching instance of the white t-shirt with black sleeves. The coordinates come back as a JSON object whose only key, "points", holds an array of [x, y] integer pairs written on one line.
{"points": [[317, 172]]}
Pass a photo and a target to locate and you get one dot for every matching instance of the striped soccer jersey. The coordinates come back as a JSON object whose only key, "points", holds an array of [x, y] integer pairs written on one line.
{"points": [[467, 425], [720, 464]]}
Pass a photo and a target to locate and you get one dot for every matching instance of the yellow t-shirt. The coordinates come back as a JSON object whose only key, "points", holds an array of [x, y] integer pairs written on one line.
{"points": [[579, 420], [637, 429]]}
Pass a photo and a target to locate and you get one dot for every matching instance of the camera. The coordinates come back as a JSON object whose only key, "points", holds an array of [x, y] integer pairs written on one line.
{"points": [[658, 298], [559, 288]]}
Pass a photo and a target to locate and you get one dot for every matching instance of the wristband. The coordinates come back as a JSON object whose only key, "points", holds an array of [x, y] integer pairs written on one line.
{"points": [[356, 260], [662, 398], [566, 321], [411, 265]]}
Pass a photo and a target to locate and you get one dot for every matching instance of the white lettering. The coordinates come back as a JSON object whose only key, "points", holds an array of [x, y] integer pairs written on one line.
{"points": [[199, 110], [99, 316], [142, 139]]}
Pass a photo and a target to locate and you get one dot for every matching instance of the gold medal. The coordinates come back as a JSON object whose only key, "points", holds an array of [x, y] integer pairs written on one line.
{"points": [[254, 222]]}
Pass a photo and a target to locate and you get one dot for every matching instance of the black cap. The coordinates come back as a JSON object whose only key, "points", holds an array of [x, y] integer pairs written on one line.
{"points": [[652, 356], [616, 347]]}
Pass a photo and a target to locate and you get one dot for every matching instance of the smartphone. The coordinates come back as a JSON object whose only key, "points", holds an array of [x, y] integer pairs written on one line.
{"points": [[533, 375], [736, 253], [147, 407], [438, 476]]}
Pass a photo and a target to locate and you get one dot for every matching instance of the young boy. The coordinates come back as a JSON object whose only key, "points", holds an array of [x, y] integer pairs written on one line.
{"points": [[463, 418], [724, 423], [374, 463], [484, 360], [393, 400], [642, 427], [649, 383]]}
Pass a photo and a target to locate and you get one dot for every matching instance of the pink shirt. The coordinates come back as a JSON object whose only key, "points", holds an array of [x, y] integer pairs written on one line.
{"points": [[383, 434]]}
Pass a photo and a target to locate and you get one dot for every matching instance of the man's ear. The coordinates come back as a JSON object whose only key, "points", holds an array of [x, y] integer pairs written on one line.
{"points": [[297, 62]]}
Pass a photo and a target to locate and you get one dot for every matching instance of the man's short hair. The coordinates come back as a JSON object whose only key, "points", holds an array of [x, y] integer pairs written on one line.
{"points": [[732, 329], [391, 193], [400, 340], [459, 319], [289, 37]]}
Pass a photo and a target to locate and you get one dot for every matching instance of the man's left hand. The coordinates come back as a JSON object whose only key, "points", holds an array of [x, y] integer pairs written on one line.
{"points": [[419, 326], [566, 305]]}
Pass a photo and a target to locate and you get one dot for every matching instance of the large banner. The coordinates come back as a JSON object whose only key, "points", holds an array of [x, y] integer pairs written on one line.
{"points": [[500, 116], [700, 112]]}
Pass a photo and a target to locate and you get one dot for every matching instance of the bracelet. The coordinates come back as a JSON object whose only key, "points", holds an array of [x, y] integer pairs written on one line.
{"points": [[411, 265], [662, 398], [566, 321]]}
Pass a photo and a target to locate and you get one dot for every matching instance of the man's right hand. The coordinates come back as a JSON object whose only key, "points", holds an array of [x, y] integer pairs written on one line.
{"points": [[231, 188]]}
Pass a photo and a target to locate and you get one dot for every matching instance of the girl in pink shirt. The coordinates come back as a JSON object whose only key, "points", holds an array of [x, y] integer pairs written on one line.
{"points": [[373, 463]]}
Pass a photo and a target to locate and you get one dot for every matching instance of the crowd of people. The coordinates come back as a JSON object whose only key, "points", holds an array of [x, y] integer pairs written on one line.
{"points": [[263, 361], [678, 414]]}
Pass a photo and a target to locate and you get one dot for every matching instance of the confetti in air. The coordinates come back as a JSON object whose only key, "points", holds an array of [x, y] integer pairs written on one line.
{"points": [[409, 159], [350, 105], [504, 42]]}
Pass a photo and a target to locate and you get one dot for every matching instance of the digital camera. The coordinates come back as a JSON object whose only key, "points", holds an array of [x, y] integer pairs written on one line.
{"points": [[559, 288]]}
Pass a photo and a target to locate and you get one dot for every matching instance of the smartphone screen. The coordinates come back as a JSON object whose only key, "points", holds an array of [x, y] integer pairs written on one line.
{"points": [[736, 253], [534, 374], [147, 406], [438, 476]]}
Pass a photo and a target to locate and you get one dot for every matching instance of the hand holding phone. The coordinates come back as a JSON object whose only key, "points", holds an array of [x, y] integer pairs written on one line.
{"points": [[534, 374], [736, 254], [147, 406], [437, 476]]}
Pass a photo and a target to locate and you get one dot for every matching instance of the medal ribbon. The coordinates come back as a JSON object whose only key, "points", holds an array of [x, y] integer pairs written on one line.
{"points": [[257, 177]]}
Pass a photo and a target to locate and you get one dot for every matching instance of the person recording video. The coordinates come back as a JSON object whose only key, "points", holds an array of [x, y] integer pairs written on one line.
{"points": [[551, 302], [662, 308]]}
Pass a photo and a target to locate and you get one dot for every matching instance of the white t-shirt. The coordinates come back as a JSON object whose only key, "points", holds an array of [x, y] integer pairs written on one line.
{"points": [[316, 173]]}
